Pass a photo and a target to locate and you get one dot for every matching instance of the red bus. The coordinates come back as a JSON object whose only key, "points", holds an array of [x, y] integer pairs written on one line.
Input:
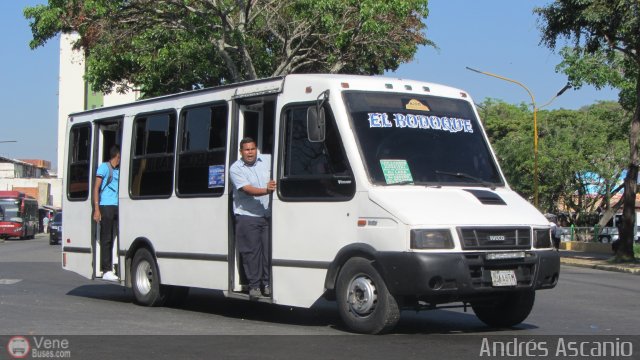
{"points": [[18, 215]]}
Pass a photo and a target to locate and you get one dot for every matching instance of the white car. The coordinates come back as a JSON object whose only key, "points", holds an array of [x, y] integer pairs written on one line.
{"points": [[608, 235]]}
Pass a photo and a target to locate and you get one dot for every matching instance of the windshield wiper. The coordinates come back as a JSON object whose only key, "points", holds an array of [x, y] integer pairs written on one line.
{"points": [[490, 185], [403, 182]]}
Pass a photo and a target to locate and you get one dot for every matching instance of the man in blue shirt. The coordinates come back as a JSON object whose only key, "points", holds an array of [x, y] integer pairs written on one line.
{"points": [[105, 199], [250, 176]]}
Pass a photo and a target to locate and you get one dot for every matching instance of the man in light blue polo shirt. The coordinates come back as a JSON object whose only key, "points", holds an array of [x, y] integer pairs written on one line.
{"points": [[252, 185], [105, 202]]}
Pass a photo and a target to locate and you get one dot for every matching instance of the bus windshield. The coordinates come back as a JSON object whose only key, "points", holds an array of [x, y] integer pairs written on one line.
{"points": [[10, 210], [428, 140]]}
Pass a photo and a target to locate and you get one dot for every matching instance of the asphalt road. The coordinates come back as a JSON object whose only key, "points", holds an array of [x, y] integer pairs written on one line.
{"points": [[37, 297]]}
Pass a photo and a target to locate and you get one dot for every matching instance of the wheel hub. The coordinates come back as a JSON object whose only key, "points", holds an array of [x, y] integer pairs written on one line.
{"points": [[362, 296], [144, 277]]}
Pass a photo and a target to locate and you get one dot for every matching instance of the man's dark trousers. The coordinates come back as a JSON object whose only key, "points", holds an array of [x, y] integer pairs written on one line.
{"points": [[252, 242], [108, 232]]}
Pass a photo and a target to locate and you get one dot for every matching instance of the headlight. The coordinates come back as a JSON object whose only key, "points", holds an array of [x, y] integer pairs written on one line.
{"points": [[431, 239], [542, 238]]}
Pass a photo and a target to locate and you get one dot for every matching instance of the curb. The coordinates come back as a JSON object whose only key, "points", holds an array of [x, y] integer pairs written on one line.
{"points": [[629, 269]]}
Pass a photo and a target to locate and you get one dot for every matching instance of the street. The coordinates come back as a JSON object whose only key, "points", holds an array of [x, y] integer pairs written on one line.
{"points": [[38, 297]]}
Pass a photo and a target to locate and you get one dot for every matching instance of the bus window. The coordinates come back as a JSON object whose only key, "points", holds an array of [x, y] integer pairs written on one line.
{"points": [[153, 158], [202, 155], [314, 170], [79, 153]]}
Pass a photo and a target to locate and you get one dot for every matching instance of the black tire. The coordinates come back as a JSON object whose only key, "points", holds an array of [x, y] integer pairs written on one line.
{"points": [[510, 310], [145, 280], [605, 239], [364, 302], [176, 295]]}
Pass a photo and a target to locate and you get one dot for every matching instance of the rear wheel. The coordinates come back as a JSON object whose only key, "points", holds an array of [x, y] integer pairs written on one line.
{"points": [[145, 282], [364, 302], [511, 309]]}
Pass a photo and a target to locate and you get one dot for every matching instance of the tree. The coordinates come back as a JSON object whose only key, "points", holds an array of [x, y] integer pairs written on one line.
{"points": [[165, 46], [606, 50], [581, 153], [583, 156]]}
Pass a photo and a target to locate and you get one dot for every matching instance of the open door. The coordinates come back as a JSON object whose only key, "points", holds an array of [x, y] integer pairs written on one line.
{"points": [[109, 133], [256, 119]]}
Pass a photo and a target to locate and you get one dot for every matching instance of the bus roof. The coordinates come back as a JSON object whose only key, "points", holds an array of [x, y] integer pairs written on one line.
{"points": [[359, 82]]}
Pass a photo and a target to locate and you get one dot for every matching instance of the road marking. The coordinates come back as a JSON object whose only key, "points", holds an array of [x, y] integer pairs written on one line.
{"points": [[9, 281]]}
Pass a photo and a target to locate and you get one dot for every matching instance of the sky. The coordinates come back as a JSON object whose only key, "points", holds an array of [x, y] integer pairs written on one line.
{"points": [[496, 36]]}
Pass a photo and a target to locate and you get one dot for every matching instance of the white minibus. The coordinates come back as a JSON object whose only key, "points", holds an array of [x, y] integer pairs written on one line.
{"points": [[389, 197]]}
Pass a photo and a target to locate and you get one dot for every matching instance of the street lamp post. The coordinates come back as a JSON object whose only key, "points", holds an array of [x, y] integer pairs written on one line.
{"points": [[535, 125]]}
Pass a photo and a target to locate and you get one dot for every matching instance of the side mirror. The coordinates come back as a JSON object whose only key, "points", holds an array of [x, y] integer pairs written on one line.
{"points": [[316, 124], [316, 120]]}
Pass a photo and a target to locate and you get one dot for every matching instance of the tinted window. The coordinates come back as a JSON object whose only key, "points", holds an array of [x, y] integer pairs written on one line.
{"points": [[202, 155], [422, 138], [313, 170], [153, 158], [78, 174]]}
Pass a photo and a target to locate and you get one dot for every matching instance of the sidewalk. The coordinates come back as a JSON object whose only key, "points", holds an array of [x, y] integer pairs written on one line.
{"points": [[596, 261]]}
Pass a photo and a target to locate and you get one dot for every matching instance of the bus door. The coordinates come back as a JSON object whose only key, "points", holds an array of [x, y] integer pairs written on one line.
{"points": [[108, 133], [255, 119], [315, 212]]}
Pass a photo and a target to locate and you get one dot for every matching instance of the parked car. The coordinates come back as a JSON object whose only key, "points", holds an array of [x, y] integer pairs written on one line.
{"points": [[55, 229], [608, 235]]}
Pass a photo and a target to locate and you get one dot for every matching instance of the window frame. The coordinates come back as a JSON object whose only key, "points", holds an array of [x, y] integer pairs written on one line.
{"points": [[179, 152], [133, 157], [477, 121], [71, 162], [282, 149]]}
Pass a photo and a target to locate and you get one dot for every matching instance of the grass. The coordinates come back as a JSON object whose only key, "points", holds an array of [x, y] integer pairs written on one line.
{"points": [[636, 253]]}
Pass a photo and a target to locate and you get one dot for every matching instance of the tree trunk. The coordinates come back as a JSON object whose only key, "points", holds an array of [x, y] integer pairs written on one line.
{"points": [[624, 251], [608, 214]]}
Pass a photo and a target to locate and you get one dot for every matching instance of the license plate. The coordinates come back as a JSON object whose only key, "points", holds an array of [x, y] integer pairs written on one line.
{"points": [[503, 278]]}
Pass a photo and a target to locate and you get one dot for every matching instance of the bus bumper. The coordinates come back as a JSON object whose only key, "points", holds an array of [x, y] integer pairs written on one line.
{"points": [[446, 277], [7, 232]]}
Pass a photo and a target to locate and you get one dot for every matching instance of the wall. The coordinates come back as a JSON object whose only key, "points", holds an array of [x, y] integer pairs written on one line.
{"points": [[70, 90], [7, 170]]}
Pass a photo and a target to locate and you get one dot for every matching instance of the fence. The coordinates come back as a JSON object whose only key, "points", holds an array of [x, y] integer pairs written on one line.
{"points": [[588, 234]]}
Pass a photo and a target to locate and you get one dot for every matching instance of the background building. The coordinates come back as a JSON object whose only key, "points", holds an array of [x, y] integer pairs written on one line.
{"points": [[75, 94], [33, 177]]}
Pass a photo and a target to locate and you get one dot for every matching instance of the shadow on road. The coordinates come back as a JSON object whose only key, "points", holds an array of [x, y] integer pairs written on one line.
{"points": [[322, 314]]}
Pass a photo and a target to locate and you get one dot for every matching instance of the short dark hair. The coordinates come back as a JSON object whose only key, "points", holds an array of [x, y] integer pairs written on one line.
{"points": [[113, 151], [247, 140]]}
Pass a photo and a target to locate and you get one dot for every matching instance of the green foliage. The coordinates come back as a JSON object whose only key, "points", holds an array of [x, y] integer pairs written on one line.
{"points": [[573, 146], [606, 51], [164, 46]]}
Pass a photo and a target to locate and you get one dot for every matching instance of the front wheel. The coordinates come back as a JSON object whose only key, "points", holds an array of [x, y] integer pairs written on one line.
{"points": [[145, 282], [364, 302], [509, 310]]}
